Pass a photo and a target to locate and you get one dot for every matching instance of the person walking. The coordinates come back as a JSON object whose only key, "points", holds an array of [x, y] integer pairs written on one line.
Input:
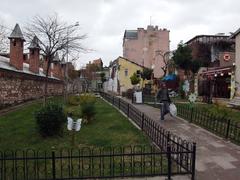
{"points": [[163, 97]]}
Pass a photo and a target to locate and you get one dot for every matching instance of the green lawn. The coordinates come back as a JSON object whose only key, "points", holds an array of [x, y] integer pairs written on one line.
{"points": [[18, 130]]}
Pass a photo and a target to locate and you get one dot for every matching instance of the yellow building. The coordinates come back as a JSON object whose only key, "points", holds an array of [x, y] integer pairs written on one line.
{"points": [[121, 70]]}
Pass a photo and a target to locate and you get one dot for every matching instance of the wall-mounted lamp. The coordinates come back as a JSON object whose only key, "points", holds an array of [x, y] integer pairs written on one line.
{"points": [[221, 74]]}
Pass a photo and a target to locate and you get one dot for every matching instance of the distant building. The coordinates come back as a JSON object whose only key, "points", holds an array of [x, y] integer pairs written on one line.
{"points": [[92, 74], [97, 63], [236, 37], [121, 70], [216, 53], [208, 48], [147, 47]]}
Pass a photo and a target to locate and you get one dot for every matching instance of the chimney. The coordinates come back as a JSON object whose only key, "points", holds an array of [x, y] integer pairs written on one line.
{"points": [[56, 66], [16, 48], [34, 55]]}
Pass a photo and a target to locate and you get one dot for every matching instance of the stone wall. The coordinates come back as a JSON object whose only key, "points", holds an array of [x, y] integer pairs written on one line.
{"points": [[17, 87]]}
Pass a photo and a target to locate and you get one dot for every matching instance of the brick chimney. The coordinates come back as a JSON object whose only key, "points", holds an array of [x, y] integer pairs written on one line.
{"points": [[56, 66], [34, 55], [16, 48]]}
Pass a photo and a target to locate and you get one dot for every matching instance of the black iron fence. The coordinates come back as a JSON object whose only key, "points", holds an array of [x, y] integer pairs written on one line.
{"points": [[184, 152], [219, 125], [90, 163]]}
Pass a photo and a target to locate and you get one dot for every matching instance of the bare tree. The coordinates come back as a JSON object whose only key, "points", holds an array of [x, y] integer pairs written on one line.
{"points": [[166, 57], [4, 42], [55, 36]]}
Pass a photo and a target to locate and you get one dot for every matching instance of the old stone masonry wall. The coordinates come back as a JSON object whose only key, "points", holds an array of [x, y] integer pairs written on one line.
{"points": [[17, 87]]}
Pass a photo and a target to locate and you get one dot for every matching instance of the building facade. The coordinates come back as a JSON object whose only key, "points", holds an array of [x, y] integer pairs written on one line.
{"points": [[236, 37], [121, 70], [147, 47], [216, 54]]}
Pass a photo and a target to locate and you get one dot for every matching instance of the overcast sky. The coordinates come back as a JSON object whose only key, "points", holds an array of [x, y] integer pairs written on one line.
{"points": [[106, 20]]}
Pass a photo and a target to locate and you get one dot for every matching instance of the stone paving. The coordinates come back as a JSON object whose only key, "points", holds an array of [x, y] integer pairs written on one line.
{"points": [[216, 158]]}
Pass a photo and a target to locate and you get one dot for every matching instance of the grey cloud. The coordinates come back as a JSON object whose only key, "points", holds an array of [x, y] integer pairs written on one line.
{"points": [[105, 20]]}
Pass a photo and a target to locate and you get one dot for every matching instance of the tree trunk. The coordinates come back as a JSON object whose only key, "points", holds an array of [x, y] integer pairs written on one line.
{"points": [[46, 84]]}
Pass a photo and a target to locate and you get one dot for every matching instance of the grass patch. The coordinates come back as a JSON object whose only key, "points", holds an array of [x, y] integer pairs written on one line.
{"points": [[18, 130]]}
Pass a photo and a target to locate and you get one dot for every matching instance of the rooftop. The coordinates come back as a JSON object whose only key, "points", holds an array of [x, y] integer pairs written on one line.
{"points": [[211, 38], [34, 44], [4, 64], [16, 33], [130, 34], [234, 34]]}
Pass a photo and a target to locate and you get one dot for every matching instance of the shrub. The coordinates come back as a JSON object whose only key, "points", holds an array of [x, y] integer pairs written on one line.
{"points": [[135, 79], [87, 104], [50, 120], [73, 100], [88, 112], [87, 98]]}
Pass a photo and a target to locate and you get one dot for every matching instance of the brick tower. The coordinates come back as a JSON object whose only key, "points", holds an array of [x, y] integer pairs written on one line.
{"points": [[34, 49], [16, 48]]}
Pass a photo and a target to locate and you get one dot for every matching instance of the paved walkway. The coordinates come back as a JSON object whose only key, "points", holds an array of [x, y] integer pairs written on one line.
{"points": [[216, 158]]}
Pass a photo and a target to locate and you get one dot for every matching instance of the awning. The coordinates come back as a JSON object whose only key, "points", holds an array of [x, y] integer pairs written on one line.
{"points": [[170, 77], [217, 71]]}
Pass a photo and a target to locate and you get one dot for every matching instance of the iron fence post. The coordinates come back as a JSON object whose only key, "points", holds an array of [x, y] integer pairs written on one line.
{"points": [[191, 117], [168, 137], [53, 165], [128, 110], [193, 161], [113, 100], [228, 127], [119, 103], [169, 162], [142, 124], [132, 97]]}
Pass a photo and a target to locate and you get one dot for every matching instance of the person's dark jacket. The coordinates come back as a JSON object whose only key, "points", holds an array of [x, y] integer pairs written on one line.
{"points": [[162, 95]]}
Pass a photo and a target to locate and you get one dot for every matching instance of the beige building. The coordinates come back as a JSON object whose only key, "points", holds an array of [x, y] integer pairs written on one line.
{"points": [[236, 36], [147, 47]]}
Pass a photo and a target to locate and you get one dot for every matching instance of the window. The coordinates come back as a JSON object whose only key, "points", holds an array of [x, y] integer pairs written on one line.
{"points": [[126, 72], [138, 73], [14, 42]]}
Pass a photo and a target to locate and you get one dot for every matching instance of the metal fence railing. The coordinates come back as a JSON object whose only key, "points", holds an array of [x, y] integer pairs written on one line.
{"points": [[218, 125], [184, 155], [89, 163]]}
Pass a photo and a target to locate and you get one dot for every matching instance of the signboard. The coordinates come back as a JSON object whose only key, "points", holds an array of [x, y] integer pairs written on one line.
{"points": [[226, 57], [73, 126]]}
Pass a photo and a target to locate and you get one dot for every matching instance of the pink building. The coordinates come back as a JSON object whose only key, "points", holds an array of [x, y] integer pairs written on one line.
{"points": [[147, 47]]}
